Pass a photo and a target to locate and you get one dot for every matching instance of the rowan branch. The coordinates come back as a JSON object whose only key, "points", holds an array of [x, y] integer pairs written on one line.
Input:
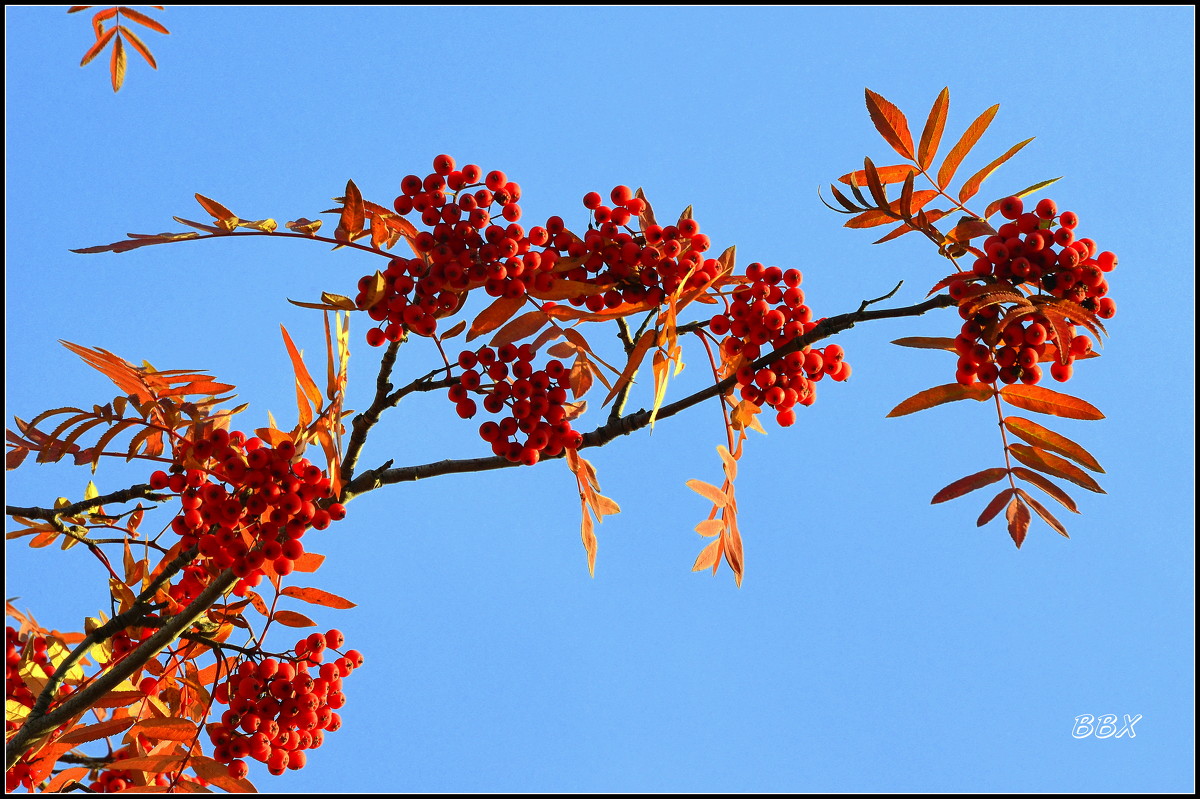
{"points": [[40, 722], [626, 424], [79, 508]]}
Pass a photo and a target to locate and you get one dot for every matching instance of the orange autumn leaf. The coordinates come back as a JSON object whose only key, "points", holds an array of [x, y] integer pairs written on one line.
{"points": [[939, 395], [968, 484], [1018, 517], [890, 123], [931, 136], [493, 316], [315, 596], [1047, 401], [969, 139]]}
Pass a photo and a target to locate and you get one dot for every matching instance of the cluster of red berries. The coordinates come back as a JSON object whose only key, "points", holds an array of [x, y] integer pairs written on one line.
{"points": [[244, 504], [464, 248], [642, 265], [278, 710], [1039, 252], [534, 401], [769, 310]]}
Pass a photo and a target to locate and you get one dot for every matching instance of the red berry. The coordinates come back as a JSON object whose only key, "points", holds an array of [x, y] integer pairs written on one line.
{"points": [[1011, 207], [621, 195], [1046, 208]]}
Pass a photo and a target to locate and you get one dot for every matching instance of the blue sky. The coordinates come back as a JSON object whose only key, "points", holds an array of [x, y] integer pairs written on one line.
{"points": [[879, 643]]}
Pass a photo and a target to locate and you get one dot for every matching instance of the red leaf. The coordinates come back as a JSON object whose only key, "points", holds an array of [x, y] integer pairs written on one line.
{"points": [[99, 45], [994, 507], [1052, 403], [351, 221], [290, 618], [890, 123], [523, 326], [643, 345], [1053, 465], [971, 187], [95, 732], [116, 66], [166, 729], [1047, 439], [139, 45], [1046, 515], [968, 484], [931, 137], [1050, 488], [1018, 521], [887, 174], [308, 562], [493, 316], [876, 217], [142, 19], [969, 139], [938, 395], [926, 343]]}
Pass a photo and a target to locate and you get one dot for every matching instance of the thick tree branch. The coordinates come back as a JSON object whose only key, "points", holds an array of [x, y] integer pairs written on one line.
{"points": [[624, 425]]}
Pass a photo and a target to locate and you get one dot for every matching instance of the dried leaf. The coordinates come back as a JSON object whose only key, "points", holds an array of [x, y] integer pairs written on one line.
{"points": [[709, 492], [711, 554], [226, 219]]}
